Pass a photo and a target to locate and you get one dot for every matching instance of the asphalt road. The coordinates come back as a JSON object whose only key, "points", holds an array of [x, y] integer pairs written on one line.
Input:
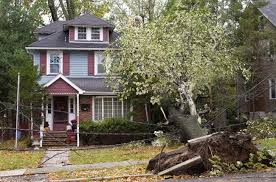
{"points": [[248, 177]]}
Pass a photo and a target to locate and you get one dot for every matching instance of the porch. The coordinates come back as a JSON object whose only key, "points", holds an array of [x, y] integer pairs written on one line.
{"points": [[61, 111]]}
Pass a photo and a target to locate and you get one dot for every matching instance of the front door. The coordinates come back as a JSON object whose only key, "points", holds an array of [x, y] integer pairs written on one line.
{"points": [[60, 113]]}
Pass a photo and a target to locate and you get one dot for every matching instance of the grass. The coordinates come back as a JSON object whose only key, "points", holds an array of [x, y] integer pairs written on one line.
{"points": [[115, 154], [268, 143], [117, 171], [15, 160], [9, 144]]}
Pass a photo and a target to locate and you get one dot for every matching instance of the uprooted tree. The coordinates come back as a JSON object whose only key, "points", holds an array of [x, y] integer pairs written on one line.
{"points": [[176, 56]]}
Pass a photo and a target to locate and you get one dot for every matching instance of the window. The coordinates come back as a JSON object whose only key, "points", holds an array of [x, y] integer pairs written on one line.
{"points": [[72, 108], [109, 107], [272, 89], [82, 33], [95, 33], [100, 69], [55, 62], [49, 106]]}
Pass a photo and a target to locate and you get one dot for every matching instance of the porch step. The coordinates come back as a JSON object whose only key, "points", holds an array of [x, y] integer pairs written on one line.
{"points": [[57, 139]]}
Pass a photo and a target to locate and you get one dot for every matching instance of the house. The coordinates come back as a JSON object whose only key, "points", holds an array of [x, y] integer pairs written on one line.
{"points": [[69, 56], [260, 99]]}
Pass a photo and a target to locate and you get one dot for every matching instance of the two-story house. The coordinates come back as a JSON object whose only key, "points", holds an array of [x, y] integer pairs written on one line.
{"points": [[69, 56]]}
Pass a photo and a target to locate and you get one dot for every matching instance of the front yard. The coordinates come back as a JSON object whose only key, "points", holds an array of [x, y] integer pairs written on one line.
{"points": [[268, 143], [115, 154], [16, 160]]}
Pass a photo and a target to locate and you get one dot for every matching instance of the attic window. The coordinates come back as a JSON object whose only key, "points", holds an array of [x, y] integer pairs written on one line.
{"points": [[82, 33], [95, 33]]}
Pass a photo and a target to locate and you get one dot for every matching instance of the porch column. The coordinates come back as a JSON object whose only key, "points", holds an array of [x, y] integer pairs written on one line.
{"points": [[78, 120], [42, 123]]}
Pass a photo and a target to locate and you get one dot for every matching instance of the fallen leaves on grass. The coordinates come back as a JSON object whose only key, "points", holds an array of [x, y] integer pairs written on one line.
{"points": [[115, 154], [16, 160]]}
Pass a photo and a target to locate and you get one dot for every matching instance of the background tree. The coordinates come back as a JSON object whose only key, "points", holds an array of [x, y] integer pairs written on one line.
{"points": [[69, 9], [122, 11]]}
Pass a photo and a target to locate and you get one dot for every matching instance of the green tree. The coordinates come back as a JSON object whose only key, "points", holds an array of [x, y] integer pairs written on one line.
{"points": [[176, 56], [18, 21]]}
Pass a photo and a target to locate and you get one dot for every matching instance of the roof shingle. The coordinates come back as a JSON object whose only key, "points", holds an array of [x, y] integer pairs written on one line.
{"points": [[88, 19], [269, 11]]}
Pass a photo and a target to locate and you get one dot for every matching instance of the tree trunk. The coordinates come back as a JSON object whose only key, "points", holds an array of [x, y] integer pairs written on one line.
{"points": [[186, 89], [151, 4], [64, 10], [71, 9], [51, 5]]}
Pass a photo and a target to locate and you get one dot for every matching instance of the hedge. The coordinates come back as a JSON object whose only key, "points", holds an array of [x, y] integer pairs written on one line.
{"points": [[115, 125]]}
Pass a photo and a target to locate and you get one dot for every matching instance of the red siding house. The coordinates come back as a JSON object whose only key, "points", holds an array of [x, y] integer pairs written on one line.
{"points": [[69, 55]]}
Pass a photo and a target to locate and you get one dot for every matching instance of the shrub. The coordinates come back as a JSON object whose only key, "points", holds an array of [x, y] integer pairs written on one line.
{"points": [[262, 128], [261, 160], [115, 125]]}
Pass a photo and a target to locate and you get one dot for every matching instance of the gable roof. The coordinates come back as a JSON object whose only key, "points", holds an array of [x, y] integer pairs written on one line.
{"points": [[60, 76], [88, 19], [51, 28], [90, 85], [269, 11]]}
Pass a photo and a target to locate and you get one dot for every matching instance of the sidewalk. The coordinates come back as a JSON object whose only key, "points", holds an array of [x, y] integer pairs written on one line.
{"points": [[52, 169]]}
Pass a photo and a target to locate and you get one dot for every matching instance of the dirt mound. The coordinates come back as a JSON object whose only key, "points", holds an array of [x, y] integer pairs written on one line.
{"points": [[230, 147]]}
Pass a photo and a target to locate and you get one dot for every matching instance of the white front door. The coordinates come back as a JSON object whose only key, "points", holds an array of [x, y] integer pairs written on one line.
{"points": [[72, 108], [49, 112]]}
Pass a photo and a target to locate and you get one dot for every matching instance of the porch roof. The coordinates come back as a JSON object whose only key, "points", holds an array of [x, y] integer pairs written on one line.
{"points": [[89, 85]]}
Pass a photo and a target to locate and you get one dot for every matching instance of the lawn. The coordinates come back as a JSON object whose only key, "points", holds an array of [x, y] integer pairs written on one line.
{"points": [[15, 160], [268, 143], [115, 154]]}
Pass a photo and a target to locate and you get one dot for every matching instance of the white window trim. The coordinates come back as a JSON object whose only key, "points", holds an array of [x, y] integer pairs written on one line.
{"points": [[96, 63], [88, 34], [270, 86], [102, 97], [69, 105], [60, 64], [77, 31]]}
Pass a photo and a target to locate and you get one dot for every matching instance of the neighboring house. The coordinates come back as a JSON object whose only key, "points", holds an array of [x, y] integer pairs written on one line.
{"points": [[69, 56], [261, 99]]}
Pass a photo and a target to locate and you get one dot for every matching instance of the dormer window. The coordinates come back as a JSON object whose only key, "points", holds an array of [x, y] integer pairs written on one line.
{"points": [[89, 34], [82, 33], [95, 33]]}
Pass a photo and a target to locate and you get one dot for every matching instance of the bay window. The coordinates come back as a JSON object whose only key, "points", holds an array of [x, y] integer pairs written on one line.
{"points": [[110, 107]]}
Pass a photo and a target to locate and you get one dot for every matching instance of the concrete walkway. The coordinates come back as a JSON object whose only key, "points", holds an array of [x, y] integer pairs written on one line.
{"points": [[52, 169], [55, 158]]}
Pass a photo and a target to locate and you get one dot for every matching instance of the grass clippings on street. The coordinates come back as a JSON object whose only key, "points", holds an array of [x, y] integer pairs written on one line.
{"points": [[110, 173], [19, 159], [115, 154]]}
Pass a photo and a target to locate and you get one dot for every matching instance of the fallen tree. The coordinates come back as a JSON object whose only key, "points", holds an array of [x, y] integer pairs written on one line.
{"points": [[194, 157]]}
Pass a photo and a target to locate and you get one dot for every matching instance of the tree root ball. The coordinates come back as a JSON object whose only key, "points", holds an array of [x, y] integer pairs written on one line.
{"points": [[230, 147]]}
